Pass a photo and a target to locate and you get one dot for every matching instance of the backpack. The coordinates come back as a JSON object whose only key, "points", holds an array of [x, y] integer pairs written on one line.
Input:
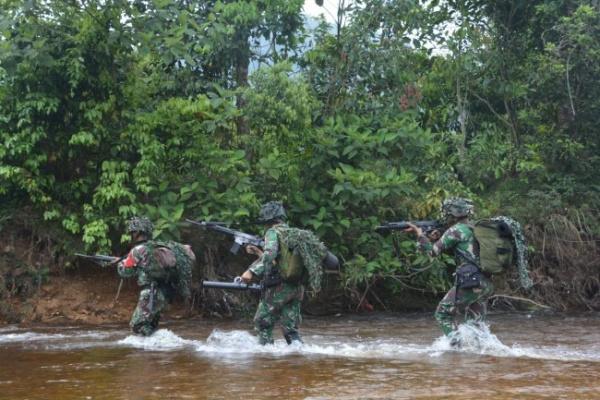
{"points": [[501, 246], [495, 245], [301, 254], [172, 263]]}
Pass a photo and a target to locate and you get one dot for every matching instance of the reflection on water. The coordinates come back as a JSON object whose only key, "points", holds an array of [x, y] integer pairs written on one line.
{"points": [[376, 357]]}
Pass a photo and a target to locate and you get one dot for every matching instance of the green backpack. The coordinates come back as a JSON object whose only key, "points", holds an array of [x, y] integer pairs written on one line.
{"points": [[501, 246], [301, 254], [495, 245]]}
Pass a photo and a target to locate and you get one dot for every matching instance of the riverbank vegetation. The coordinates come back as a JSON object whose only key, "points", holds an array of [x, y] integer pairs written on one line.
{"points": [[174, 109]]}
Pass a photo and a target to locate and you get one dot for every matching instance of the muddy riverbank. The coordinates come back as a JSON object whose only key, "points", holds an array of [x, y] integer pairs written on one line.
{"points": [[81, 296]]}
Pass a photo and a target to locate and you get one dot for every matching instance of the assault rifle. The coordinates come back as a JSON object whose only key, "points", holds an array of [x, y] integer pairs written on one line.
{"points": [[237, 284], [100, 259], [108, 261], [242, 239], [426, 226]]}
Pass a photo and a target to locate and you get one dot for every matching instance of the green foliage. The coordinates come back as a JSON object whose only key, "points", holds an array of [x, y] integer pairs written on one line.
{"points": [[110, 109]]}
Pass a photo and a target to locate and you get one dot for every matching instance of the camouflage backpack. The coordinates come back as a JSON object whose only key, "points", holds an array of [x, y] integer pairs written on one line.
{"points": [[502, 245], [301, 255], [171, 263]]}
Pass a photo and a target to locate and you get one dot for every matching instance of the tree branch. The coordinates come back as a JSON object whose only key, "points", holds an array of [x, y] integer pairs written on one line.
{"points": [[520, 299], [569, 86]]}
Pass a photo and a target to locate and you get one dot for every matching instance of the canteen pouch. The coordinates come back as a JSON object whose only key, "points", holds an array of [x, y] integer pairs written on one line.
{"points": [[272, 279], [468, 276]]}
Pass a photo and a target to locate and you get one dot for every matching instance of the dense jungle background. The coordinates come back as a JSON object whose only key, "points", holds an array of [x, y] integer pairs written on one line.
{"points": [[179, 109]]}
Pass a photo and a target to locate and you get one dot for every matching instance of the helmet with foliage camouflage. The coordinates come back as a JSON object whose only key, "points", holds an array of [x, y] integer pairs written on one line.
{"points": [[273, 210], [140, 224], [457, 207]]}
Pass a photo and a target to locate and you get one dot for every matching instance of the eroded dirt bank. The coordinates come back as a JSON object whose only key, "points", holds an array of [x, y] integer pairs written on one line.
{"points": [[82, 296]]}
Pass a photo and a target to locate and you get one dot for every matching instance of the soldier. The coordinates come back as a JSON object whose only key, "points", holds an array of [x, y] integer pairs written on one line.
{"points": [[280, 299], [472, 287], [162, 268]]}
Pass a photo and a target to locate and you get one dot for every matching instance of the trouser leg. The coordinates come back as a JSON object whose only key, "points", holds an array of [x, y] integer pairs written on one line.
{"points": [[146, 315], [279, 303], [290, 320], [444, 314], [263, 322], [476, 304], [472, 301]]}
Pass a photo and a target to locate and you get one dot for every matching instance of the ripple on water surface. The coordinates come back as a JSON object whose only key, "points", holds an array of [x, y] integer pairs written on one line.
{"points": [[350, 359], [235, 343]]}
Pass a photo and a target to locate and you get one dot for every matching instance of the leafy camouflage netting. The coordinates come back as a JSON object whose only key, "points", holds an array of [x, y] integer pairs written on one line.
{"points": [[185, 265], [521, 248], [140, 224], [311, 250], [178, 258]]}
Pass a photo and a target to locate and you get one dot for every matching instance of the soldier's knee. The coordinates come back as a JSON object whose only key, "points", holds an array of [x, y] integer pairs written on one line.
{"points": [[444, 311], [262, 322], [438, 316]]}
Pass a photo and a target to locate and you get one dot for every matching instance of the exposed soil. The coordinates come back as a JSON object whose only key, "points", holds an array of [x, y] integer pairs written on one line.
{"points": [[86, 297]]}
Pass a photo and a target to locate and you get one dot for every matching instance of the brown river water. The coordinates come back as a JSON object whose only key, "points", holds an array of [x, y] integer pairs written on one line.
{"points": [[381, 356]]}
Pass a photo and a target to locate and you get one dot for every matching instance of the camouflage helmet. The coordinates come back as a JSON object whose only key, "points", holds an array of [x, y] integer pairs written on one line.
{"points": [[273, 210], [140, 224], [457, 207]]}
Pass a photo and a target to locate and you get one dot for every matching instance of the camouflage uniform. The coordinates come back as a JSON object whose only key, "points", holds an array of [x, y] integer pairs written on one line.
{"points": [[282, 300], [161, 269], [472, 302], [153, 296]]}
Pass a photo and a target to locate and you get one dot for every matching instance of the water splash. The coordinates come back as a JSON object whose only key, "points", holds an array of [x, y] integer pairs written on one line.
{"points": [[9, 328], [473, 338], [161, 340], [44, 337], [478, 339], [236, 344]]}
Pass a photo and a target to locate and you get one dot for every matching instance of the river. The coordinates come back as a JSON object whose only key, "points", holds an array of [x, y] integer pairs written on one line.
{"points": [[344, 357]]}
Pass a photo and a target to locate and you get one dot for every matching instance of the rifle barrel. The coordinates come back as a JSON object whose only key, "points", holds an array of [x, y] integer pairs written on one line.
{"points": [[401, 225], [231, 285], [242, 238], [99, 257]]}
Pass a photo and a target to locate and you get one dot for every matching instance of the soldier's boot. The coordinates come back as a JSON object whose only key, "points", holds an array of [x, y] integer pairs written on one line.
{"points": [[264, 340], [143, 329], [146, 331], [292, 337], [455, 342], [264, 329]]}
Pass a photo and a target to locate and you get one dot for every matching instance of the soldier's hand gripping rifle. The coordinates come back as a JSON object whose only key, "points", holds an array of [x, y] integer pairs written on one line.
{"points": [[427, 226], [242, 239], [237, 284]]}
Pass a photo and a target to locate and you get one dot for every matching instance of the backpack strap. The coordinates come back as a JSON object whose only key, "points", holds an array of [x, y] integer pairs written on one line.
{"points": [[465, 254]]}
